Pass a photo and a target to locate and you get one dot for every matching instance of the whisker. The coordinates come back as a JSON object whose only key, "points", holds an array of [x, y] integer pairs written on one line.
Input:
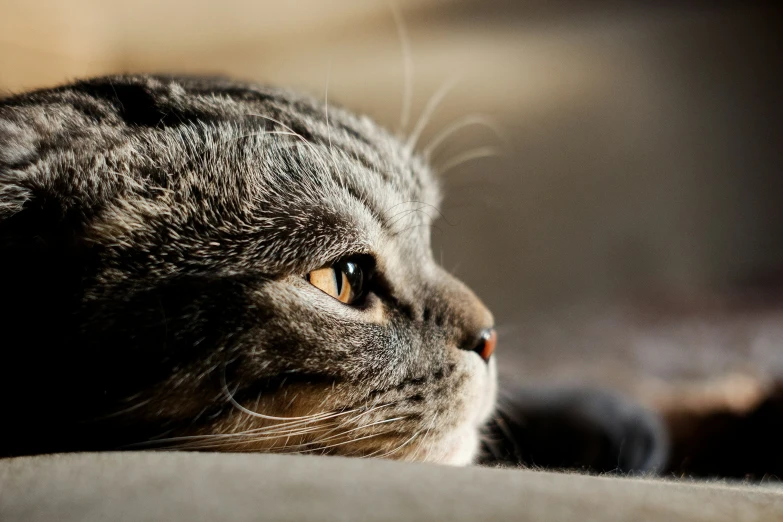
{"points": [[347, 441], [278, 428], [357, 428], [424, 438], [326, 107], [395, 234], [406, 213], [298, 431], [319, 418], [407, 64], [252, 413], [318, 441], [281, 429], [302, 138], [462, 123], [429, 109], [481, 152], [265, 132], [185, 440], [223, 442], [413, 201], [398, 448]]}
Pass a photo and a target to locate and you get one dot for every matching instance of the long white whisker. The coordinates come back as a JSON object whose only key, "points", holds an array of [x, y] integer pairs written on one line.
{"points": [[413, 201], [424, 439], [302, 138], [252, 413], [467, 121], [281, 428], [212, 436], [326, 107], [266, 132], [398, 448], [356, 429], [404, 214], [429, 109], [305, 432], [354, 419], [321, 417], [371, 409], [222, 442], [345, 442], [431, 443], [481, 152], [407, 64], [341, 434]]}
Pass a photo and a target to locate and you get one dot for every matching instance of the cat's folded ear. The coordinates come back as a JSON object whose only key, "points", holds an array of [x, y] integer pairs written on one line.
{"points": [[36, 192], [17, 149], [34, 222]]}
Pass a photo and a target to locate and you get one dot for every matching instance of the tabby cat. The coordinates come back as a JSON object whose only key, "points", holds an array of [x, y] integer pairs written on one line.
{"points": [[203, 264]]}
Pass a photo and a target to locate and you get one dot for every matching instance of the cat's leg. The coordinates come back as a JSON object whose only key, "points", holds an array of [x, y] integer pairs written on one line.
{"points": [[575, 428]]}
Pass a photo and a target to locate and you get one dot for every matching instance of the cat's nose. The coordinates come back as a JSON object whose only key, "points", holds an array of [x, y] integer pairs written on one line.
{"points": [[485, 346]]}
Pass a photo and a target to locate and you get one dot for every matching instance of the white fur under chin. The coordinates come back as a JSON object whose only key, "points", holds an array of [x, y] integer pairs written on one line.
{"points": [[461, 447]]}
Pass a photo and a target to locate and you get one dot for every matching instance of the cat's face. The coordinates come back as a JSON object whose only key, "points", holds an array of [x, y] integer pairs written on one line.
{"points": [[225, 267]]}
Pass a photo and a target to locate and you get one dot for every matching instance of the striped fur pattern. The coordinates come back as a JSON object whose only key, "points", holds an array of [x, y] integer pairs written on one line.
{"points": [[155, 233]]}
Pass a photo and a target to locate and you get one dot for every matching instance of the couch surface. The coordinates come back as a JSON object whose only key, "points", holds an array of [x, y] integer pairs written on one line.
{"points": [[238, 487]]}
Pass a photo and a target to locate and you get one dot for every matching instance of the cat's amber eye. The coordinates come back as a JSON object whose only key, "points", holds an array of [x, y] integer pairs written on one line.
{"points": [[343, 281]]}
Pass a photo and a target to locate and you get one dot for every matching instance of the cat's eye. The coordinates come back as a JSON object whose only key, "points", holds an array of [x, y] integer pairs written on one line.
{"points": [[343, 280]]}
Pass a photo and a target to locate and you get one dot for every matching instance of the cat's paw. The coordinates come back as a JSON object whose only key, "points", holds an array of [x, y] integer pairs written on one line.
{"points": [[584, 429]]}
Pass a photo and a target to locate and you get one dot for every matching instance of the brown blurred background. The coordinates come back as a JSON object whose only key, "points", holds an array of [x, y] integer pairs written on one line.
{"points": [[632, 234]]}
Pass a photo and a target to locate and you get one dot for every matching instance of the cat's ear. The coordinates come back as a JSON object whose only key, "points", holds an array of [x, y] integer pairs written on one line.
{"points": [[31, 211], [16, 148]]}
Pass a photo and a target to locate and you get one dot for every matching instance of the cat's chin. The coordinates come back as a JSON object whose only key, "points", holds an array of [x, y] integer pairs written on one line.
{"points": [[460, 447]]}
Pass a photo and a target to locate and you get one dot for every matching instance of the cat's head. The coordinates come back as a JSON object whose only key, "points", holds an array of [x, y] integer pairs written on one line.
{"points": [[213, 265]]}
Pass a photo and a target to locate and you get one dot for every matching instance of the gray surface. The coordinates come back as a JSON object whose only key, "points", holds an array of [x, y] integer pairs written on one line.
{"points": [[228, 487]]}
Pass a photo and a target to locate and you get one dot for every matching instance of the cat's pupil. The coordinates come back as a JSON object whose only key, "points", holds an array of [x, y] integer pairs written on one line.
{"points": [[354, 276], [338, 282]]}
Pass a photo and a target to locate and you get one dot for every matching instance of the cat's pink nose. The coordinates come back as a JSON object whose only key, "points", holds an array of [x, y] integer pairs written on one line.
{"points": [[486, 345]]}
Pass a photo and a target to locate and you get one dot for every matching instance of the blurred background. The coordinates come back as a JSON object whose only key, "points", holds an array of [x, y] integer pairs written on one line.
{"points": [[631, 234]]}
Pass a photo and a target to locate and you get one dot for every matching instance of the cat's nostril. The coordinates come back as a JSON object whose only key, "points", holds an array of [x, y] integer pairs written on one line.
{"points": [[485, 347]]}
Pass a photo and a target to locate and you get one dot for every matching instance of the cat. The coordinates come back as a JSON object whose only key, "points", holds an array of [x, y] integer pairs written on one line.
{"points": [[205, 264]]}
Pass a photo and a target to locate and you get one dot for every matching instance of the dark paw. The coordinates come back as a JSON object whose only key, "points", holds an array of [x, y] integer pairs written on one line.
{"points": [[582, 429]]}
